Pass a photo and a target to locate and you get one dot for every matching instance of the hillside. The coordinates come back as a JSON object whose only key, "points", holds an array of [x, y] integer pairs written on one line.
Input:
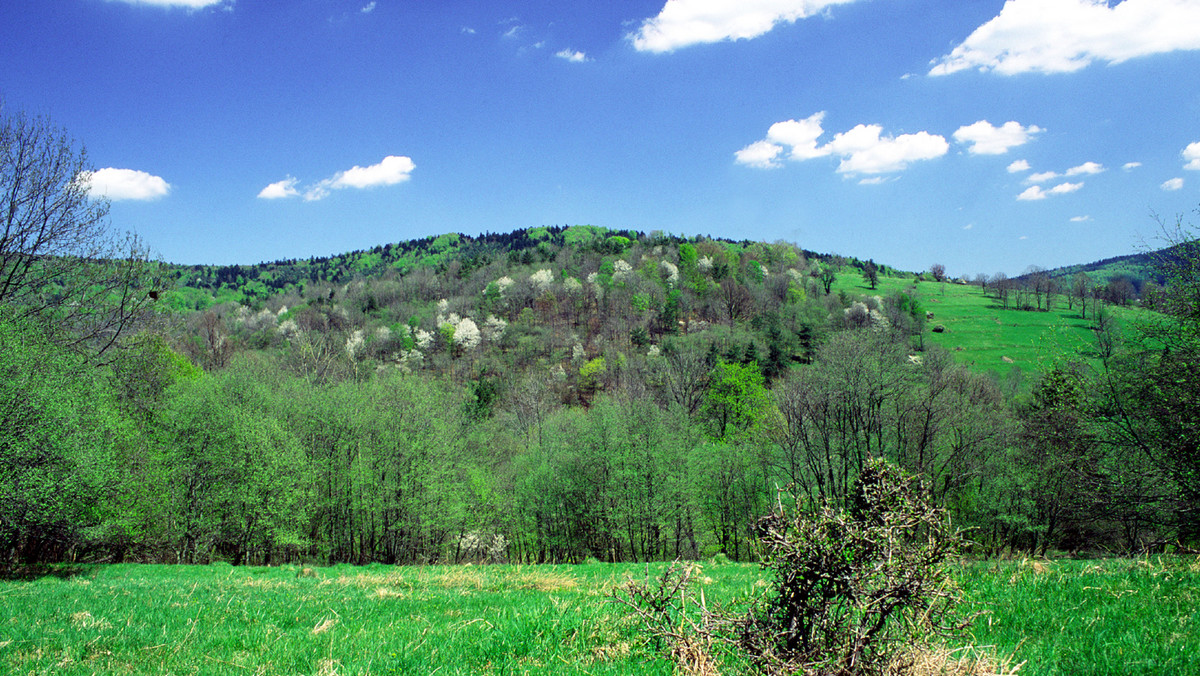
{"points": [[559, 394]]}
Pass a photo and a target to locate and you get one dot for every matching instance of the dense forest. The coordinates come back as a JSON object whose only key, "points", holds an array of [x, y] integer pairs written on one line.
{"points": [[550, 395]]}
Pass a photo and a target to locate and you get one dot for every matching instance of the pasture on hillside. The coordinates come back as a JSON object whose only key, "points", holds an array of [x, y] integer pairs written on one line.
{"points": [[1130, 616], [1012, 345]]}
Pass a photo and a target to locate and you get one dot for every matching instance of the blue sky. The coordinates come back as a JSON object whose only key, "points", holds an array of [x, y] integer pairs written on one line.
{"points": [[984, 135]]}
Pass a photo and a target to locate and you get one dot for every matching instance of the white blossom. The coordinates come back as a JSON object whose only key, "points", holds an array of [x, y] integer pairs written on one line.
{"points": [[493, 328], [503, 283], [288, 328], [653, 351], [354, 343], [621, 270], [466, 333], [672, 272], [542, 279], [572, 285], [424, 339], [704, 264], [577, 352]]}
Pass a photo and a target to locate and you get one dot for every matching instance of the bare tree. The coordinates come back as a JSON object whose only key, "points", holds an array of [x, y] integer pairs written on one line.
{"points": [[59, 264], [938, 271]]}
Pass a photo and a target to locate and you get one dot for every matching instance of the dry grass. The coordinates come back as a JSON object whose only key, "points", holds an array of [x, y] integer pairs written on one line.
{"points": [[942, 661]]}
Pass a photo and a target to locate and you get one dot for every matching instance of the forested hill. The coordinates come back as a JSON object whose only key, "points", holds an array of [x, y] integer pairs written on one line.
{"points": [[559, 394], [453, 253]]}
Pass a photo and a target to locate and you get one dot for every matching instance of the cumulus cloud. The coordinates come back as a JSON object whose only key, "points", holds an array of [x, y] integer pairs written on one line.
{"points": [[681, 23], [1037, 193], [280, 189], [1192, 155], [1130, 166], [760, 155], [1018, 166], [368, 8], [572, 56], [1085, 168], [985, 139], [124, 184], [391, 170], [1042, 176], [1062, 36], [863, 149], [1172, 184]]}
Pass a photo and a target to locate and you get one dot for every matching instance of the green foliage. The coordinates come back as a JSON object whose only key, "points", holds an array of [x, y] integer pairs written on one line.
{"points": [[737, 402], [58, 433]]}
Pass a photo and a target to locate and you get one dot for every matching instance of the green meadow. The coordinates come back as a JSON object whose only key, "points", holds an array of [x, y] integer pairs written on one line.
{"points": [[1056, 617], [988, 337]]}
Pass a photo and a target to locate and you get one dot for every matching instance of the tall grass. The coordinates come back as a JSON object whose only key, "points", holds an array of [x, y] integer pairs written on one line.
{"points": [[1069, 617]]}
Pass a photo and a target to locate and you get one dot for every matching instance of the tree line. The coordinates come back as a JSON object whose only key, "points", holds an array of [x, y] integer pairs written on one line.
{"points": [[594, 394]]}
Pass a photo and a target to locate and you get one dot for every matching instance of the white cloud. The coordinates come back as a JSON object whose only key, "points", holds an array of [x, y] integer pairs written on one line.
{"points": [[368, 8], [688, 22], [572, 56], [1086, 168], [1036, 193], [801, 135], [1192, 155], [188, 4], [760, 155], [1080, 219], [391, 170], [1018, 166], [988, 140], [874, 180], [280, 190], [467, 30], [1172, 184], [1130, 166], [1061, 36], [863, 149], [124, 184], [1042, 177], [969, 226]]}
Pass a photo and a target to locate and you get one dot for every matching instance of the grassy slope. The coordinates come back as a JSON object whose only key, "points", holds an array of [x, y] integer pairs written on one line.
{"points": [[981, 334], [1115, 616]]}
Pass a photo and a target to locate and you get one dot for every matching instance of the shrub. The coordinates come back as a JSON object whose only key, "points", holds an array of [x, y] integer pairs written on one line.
{"points": [[854, 588], [857, 590]]}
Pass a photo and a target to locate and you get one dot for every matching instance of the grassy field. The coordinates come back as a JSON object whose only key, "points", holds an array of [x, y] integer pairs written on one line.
{"points": [[1070, 617], [987, 337]]}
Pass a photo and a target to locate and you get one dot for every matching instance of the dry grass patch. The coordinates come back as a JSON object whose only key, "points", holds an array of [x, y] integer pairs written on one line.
{"points": [[84, 620]]}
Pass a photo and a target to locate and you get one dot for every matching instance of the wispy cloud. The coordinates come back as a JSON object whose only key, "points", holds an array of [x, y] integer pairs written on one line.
{"points": [[863, 149], [391, 170], [1043, 176], [1018, 166], [681, 23], [280, 189], [185, 4], [1130, 166], [124, 184], [572, 56], [1191, 155], [985, 139], [1037, 193], [1172, 184], [368, 8], [1085, 169], [1080, 219], [1061, 36]]}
